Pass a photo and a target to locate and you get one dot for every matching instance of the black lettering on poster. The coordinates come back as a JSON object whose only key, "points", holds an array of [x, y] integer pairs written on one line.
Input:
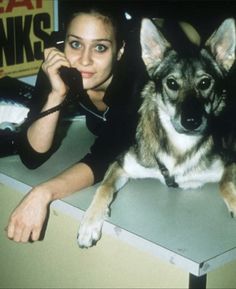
{"points": [[16, 45]]}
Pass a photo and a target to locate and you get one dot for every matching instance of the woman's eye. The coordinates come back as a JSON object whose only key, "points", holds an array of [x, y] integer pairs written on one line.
{"points": [[75, 44], [172, 84], [100, 48], [204, 83]]}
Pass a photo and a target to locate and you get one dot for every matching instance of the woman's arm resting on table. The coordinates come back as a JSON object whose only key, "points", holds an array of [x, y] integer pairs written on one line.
{"points": [[27, 220]]}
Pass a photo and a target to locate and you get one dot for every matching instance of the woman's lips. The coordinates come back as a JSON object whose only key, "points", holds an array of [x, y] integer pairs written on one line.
{"points": [[85, 74]]}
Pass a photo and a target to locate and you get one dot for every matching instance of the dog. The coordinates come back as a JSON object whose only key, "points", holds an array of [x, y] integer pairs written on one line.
{"points": [[174, 140]]}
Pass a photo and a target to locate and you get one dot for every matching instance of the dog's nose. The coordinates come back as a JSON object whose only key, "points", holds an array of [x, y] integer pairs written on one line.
{"points": [[191, 123], [192, 114]]}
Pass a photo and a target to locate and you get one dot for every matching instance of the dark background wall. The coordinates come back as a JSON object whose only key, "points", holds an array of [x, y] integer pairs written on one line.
{"points": [[204, 15]]}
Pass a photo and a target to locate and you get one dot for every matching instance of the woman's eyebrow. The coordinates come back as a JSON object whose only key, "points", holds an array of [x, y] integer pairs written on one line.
{"points": [[93, 40]]}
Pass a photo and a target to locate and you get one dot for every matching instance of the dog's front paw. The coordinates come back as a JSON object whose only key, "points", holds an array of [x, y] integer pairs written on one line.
{"points": [[228, 191], [231, 207], [90, 230]]}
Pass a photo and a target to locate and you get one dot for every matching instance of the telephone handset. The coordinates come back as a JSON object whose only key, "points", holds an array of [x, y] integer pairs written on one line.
{"points": [[72, 78]]}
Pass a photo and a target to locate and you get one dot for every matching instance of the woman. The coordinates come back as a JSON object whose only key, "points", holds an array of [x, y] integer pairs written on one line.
{"points": [[94, 47]]}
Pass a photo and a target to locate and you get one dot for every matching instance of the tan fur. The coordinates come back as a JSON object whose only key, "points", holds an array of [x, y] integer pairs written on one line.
{"points": [[228, 188]]}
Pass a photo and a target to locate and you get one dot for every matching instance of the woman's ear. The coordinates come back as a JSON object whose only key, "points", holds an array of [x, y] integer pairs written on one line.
{"points": [[121, 51]]}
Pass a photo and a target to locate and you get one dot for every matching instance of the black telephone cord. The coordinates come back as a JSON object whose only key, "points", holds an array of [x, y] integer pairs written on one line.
{"points": [[49, 111]]}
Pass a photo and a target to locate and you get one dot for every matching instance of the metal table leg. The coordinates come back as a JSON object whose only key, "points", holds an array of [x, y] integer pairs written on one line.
{"points": [[196, 282]]}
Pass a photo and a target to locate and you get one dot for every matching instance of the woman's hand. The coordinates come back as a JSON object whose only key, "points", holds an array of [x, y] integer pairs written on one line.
{"points": [[55, 59], [27, 220]]}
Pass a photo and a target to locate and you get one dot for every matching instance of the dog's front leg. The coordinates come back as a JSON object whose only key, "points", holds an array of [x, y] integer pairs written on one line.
{"points": [[91, 225], [228, 188]]}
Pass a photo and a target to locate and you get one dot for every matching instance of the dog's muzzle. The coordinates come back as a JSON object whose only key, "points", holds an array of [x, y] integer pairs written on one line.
{"points": [[192, 119]]}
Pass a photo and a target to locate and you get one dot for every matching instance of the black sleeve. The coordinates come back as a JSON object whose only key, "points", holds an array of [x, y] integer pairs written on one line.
{"points": [[31, 158], [116, 137]]}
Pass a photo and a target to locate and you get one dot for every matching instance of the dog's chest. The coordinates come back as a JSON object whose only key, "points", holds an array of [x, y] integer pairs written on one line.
{"points": [[190, 174]]}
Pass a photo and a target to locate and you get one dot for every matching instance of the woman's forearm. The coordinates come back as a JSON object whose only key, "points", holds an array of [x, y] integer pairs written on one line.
{"points": [[41, 133], [74, 179]]}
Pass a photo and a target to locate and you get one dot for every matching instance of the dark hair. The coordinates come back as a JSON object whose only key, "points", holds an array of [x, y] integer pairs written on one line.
{"points": [[114, 14]]}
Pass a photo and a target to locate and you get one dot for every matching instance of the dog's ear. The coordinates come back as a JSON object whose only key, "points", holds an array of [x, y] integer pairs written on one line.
{"points": [[222, 44], [153, 44]]}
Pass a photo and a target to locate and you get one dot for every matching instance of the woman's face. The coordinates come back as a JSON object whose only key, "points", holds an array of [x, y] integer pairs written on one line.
{"points": [[91, 47]]}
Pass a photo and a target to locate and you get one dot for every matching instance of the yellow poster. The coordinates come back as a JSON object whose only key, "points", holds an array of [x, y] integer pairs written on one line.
{"points": [[24, 28]]}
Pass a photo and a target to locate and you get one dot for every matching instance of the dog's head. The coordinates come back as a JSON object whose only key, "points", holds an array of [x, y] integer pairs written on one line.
{"points": [[189, 87]]}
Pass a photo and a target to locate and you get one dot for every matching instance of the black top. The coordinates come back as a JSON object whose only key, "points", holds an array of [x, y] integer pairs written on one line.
{"points": [[114, 128]]}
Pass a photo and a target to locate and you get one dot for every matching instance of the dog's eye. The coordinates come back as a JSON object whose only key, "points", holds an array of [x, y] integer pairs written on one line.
{"points": [[204, 83], [172, 84]]}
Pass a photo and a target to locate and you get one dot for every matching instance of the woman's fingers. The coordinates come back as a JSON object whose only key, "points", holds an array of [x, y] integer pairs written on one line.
{"points": [[17, 231], [52, 52], [54, 60], [10, 230], [36, 234], [23, 233], [17, 234], [26, 235], [26, 221]]}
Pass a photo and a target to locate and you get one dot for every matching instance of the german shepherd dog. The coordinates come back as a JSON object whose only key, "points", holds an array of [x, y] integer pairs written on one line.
{"points": [[174, 141]]}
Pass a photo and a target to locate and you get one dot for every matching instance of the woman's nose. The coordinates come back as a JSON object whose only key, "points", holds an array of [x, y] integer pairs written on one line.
{"points": [[85, 57]]}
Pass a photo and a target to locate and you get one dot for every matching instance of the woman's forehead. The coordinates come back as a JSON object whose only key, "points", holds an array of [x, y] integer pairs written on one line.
{"points": [[91, 26]]}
